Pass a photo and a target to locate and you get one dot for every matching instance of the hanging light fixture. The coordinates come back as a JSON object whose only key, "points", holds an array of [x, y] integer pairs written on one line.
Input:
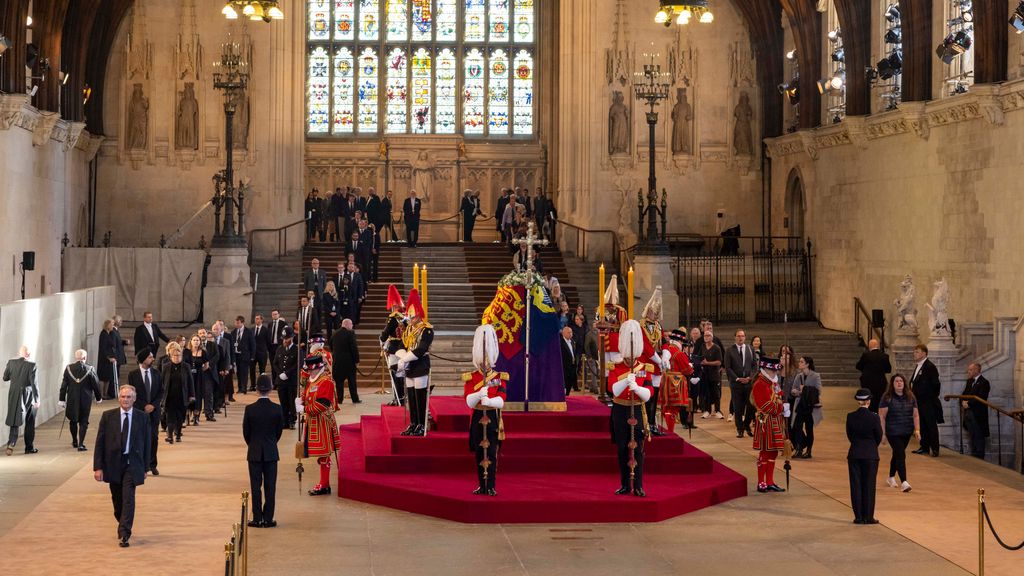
{"points": [[265, 10], [1017, 19], [683, 11]]}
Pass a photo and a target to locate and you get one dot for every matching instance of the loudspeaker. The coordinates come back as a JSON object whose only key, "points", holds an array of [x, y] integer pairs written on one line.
{"points": [[877, 318], [28, 261]]}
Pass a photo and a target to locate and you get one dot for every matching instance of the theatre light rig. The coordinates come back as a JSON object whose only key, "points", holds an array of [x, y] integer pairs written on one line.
{"points": [[1017, 19]]}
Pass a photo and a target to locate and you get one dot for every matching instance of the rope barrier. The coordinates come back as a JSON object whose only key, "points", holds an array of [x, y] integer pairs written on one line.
{"points": [[984, 509], [372, 370], [439, 357]]}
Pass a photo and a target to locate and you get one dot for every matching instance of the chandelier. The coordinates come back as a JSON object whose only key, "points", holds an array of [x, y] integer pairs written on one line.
{"points": [[683, 11], [265, 10]]}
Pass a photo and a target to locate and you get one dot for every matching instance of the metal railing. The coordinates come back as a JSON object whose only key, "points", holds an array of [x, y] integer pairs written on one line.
{"points": [[868, 330], [621, 259], [236, 550], [282, 237], [1016, 416]]}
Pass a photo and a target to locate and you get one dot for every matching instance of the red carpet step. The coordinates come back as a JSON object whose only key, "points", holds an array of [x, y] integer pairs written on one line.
{"points": [[553, 468]]}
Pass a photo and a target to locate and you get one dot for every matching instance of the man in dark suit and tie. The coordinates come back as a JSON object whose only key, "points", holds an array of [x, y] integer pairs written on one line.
{"points": [[864, 430], [926, 387], [315, 279], [411, 211], [245, 349], [357, 290], [309, 321], [261, 427], [277, 325], [346, 357], [225, 361], [570, 360], [22, 400], [286, 375], [119, 353], [122, 451], [975, 418], [359, 249], [741, 367], [148, 335], [874, 366], [261, 354], [148, 391]]}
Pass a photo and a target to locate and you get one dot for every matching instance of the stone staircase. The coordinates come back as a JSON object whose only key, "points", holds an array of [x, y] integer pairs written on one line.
{"points": [[278, 280], [835, 353]]}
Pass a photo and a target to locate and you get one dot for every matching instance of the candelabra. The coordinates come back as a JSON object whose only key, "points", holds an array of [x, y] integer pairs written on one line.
{"points": [[231, 75], [651, 86]]}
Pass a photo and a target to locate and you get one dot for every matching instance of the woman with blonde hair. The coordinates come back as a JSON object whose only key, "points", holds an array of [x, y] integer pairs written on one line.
{"points": [[331, 308], [199, 366], [179, 391]]}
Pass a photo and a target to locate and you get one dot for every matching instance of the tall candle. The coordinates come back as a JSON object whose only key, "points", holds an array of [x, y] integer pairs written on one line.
{"points": [[416, 277], [629, 292], [600, 292], [423, 288]]}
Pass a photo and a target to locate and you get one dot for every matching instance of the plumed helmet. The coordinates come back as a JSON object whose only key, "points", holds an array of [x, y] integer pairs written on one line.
{"points": [[652, 311], [394, 298], [413, 305], [611, 294], [631, 339], [485, 347]]}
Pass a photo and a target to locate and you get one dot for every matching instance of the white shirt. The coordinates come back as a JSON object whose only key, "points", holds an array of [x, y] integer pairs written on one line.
{"points": [[569, 344], [917, 369], [149, 328], [120, 423]]}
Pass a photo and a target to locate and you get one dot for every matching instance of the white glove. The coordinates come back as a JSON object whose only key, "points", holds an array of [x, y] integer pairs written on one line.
{"points": [[785, 410], [282, 376], [299, 408], [62, 404], [694, 381], [486, 401]]}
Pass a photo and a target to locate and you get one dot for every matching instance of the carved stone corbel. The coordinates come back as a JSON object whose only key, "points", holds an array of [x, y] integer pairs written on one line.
{"points": [[74, 134], [89, 144], [810, 147], [13, 110], [917, 119], [856, 131], [44, 127]]}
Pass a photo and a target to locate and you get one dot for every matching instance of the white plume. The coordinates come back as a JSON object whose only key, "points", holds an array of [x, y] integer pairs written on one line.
{"points": [[631, 339], [485, 338]]}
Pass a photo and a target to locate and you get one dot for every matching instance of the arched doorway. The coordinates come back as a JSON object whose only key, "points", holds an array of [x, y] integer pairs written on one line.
{"points": [[795, 205]]}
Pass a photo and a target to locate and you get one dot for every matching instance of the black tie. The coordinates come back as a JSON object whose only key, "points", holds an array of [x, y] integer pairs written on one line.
{"points": [[277, 329], [124, 433]]}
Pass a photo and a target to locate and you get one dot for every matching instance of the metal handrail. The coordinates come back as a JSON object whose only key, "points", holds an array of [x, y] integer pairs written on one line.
{"points": [[581, 241], [859, 310], [282, 236], [1015, 415]]}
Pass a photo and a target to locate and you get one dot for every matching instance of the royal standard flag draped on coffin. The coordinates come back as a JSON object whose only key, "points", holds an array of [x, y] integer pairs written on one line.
{"points": [[507, 313]]}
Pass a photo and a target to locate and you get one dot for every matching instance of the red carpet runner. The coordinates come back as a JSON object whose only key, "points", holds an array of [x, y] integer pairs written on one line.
{"points": [[553, 468]]}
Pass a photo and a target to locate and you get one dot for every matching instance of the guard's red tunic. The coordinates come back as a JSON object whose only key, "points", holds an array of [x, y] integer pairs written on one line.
{"points": [[769, 424], [652, 345], [675, 388], [320, 403]]}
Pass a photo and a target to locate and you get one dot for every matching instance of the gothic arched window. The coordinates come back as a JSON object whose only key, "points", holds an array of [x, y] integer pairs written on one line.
{"points": [[420, 67]]}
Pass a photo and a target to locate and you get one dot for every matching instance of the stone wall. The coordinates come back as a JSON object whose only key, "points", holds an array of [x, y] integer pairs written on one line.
{"points": [[44, 186]]}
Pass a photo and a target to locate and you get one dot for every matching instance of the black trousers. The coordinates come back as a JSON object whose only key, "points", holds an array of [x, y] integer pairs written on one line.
{"points": [[353, 392], [621, 435], [286, 394], [977, 435], [929, 430], [78, 428], [154, 439], [862, 488], [263, 484], [742, 411], [207, 394], [652, 409], [257, 367], [467, 230], [30, 430], [390, 225], [412, 233], [243, 377], [122, 494], [898, 462], [803, 430]]}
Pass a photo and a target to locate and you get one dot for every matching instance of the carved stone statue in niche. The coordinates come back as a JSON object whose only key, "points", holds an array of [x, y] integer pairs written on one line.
{"points": [[240, 125], [682, 114], [618, 126], [186, 127], [423, 174], [742, 141], [138, 119]]}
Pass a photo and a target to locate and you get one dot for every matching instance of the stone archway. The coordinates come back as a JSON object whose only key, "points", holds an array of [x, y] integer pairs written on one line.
{"points": [[796, 204]]}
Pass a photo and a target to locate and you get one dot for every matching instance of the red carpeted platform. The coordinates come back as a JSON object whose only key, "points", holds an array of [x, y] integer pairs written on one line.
{"points": [[553, 468]]}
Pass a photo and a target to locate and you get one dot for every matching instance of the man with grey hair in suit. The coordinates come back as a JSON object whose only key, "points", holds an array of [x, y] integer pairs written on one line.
{"points": [[22, 400]]}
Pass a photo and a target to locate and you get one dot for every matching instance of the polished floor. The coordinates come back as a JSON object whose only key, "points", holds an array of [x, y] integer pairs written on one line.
{"points": [[55, 519]]}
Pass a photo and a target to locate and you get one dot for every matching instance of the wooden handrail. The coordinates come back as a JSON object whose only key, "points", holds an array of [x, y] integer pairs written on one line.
{"points": [[1015, 414]]}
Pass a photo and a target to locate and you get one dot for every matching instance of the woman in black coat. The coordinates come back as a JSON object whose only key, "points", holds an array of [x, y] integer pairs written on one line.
{"points": [[332, 311], [104, 366], [179, 391], [199, 366]]}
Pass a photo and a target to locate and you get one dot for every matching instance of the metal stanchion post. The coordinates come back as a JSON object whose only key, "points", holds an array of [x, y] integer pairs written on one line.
{"points": [[981, 532]]}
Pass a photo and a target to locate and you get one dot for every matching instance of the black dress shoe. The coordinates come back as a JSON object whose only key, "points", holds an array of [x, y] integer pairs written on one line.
{"points": [[935, 454], [750, 432], [858, 521], [169, 440], [869, 521], [82, 448], [657, 432], [270, 523], [479, 491], [639, 492], [254, 524], [622, 491], [920, 451], [357, 401], [74, 444], [31, 450], [762, 489], [775, 488], [154, 471], [739, 434], [320, 491], [408, 431], [123, 542], [492, 492]]}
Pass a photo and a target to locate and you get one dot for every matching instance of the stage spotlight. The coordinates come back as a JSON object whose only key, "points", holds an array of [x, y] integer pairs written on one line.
{"points": [[63, 77], [894, 35], [953, 46], [4, 44], [834, 35], [890, 66], [839, 55], [1017, 20], [791, 91], [892, 14], [967, 11], [791, 55]]}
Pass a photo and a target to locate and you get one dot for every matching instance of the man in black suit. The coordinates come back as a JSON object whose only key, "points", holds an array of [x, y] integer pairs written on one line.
{"points": [[926, 387], [245, 349], [78, 387], [470, 209], [148, 391], [122, 452], [975, 414], [286, 375], [864, 430], [315, 279], [741, 368], [411, 211], [570, 359], [874, 366], [22, 400], [119, 353], [346, 358], [357, 289], [360, 249], [148, 335], [261, 427], [225, 362], [277, 324], [309, 321], [499, 212], [261, 354]]}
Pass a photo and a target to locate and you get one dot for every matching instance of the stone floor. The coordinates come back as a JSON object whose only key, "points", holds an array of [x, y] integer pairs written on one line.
{"points": [[54, 519]]}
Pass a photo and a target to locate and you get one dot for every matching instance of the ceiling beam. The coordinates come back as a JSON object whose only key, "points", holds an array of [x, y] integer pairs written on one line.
{"points": [[14, 13], [805, 22], [763, 19], [991, 37], [855, 21], [916, 24]]}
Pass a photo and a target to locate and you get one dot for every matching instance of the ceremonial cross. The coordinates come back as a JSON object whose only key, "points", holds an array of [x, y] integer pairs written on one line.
{"points": [[530, 241]]}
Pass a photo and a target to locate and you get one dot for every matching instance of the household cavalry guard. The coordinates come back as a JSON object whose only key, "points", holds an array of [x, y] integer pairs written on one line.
{"points": [[485, 393], [675, 397], [319, 403], [609, 320], [769, 423], [414, 364], [654, 354], [630, 387], [391, 342]]}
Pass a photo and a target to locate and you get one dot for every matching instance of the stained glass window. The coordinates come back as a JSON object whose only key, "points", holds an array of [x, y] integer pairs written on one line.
{"points": [[421, 67], [344, 87], [318, 90], [368, 83]]}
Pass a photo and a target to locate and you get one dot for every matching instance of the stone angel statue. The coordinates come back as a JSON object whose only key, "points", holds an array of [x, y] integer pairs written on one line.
{"points": [[905, 309], [938, 315]]}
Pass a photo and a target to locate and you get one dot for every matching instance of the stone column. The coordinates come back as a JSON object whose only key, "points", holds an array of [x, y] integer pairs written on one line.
{"points": [[943, 354], [228, 291], [650, 270], [902, 352]]}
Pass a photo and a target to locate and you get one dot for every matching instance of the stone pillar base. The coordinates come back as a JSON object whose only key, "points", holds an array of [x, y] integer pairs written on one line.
{"points": [[943, 353], [650, 270], [228, 291], [902, 353]]}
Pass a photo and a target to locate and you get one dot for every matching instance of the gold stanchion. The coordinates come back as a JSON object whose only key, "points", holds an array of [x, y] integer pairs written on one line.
{"points": [[229, 555], [981, 532], [244, 552]]}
